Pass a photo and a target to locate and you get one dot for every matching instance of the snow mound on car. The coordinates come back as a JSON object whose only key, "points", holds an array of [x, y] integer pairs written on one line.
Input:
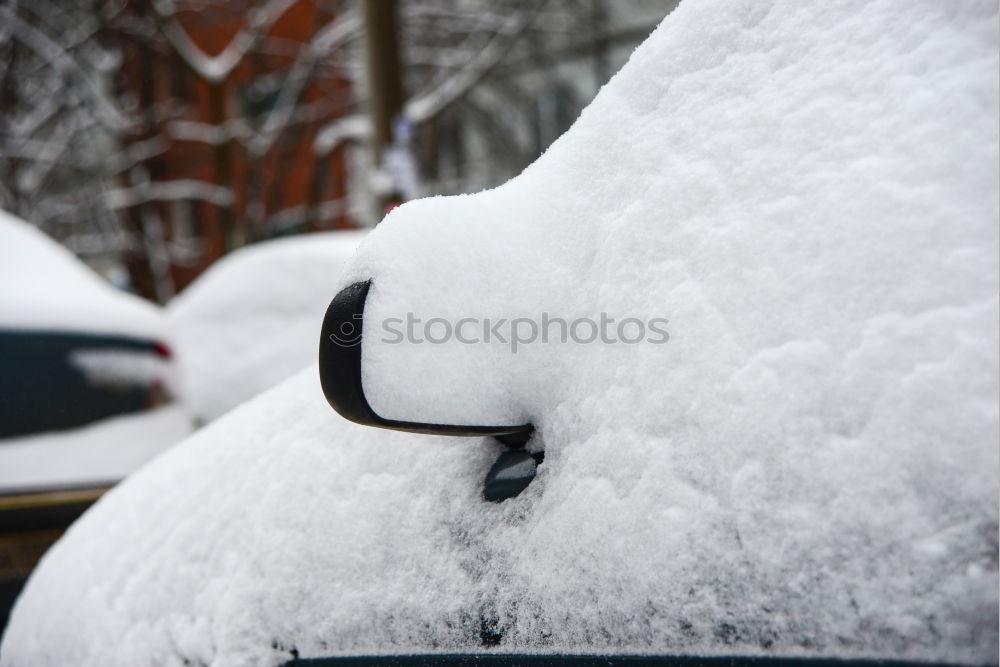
{"points": [[809, 466], [251, 320], [44, 286]]}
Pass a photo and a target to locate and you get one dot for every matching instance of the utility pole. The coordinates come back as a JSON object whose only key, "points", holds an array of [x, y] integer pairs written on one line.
{"points": [[599, 42], [385, 81]]}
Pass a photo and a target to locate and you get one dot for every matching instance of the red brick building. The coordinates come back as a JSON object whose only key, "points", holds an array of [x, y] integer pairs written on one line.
{"points": [[231, 96]]}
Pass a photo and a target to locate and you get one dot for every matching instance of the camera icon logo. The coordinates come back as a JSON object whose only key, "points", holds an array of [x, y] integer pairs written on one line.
{"points": [[348, 334]]}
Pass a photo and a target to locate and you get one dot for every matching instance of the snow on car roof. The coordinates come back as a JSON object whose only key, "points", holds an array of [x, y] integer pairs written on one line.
{"points": [[250, 321], [44, 286], [807, 467]]}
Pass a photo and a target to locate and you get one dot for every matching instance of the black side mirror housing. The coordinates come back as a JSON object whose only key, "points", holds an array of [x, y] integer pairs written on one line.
{"points": [[340, 349]]}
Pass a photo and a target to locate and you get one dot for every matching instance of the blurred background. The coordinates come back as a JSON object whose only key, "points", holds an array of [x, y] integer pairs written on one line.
{"points": [[181, 181], [152, 137]]}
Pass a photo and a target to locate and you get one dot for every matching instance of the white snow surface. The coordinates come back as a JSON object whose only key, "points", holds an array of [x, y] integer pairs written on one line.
{"points": [[809, 193], [102, 452], [44, 286], [252, 320]]}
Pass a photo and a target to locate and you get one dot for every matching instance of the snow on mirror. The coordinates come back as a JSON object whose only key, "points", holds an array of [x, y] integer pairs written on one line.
{"points": [[480, 310], [343, 377]]}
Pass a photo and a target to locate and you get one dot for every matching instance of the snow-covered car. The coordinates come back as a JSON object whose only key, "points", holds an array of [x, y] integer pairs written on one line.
{"points": [[88, 388], [800, 463], [250, 321]]}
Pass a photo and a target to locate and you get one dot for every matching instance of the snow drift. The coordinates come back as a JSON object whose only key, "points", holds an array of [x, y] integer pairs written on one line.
{"points": [[250, 321], [102, 452], [44, 286], [809, 194]]}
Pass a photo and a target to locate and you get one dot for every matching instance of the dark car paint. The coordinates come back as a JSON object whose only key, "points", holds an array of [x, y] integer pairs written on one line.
{"points": [[519, 660], [40, 390]]}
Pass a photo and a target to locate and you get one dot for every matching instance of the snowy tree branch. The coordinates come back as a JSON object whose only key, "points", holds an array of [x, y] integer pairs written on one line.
{"points": [[120, 198], [217, 68]]}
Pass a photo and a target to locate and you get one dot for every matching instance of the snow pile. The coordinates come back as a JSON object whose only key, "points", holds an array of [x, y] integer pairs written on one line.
{"points": [[100, 453], [43, 286], [251, 320], [808, 193]]}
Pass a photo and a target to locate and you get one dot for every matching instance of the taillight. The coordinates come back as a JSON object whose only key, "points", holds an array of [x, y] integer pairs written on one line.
{"points": [[162, 350]]}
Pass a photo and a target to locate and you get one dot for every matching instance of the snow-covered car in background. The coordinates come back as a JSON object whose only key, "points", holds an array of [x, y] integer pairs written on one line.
{"points": [[87, 393], [806, 466], [250, 321], [89, 383]]}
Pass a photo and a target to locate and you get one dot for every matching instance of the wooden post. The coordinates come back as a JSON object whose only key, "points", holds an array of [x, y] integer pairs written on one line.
{"points": [[385, 82]]}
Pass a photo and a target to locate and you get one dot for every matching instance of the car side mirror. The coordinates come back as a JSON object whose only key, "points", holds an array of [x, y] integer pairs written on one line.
{"points": [[340, 352]]}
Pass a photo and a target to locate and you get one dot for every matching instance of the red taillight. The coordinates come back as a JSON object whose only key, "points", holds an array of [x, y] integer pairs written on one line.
{"points": [[162, 350]]}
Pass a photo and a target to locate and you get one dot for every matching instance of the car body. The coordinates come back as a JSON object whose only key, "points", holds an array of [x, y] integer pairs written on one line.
{"points": [[62, 380], [806, 468], [90, 383], [88, 394]]}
